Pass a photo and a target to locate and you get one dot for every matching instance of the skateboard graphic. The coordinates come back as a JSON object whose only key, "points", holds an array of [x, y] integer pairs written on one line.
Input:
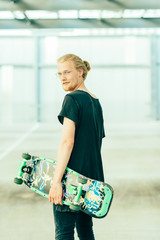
{"points": [[80, 193]]}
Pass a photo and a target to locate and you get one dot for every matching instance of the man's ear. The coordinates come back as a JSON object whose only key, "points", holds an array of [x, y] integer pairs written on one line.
{"points": [[80, 71]]}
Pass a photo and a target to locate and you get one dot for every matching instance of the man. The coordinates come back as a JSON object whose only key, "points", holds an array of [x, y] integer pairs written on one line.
{"points": [[80, 146]]}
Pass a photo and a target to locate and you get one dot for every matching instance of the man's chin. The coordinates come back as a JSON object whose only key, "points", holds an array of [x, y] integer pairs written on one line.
{"points": [[65, 89], [68, 89]]}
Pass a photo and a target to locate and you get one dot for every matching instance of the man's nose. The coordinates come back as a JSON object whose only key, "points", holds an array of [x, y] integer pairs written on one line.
{"points": [[63, 76]]}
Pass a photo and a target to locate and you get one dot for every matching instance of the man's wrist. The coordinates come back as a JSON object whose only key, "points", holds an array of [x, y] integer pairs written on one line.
{"points": [[56, 181]]}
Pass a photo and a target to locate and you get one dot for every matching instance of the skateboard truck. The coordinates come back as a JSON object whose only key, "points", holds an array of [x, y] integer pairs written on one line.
{"points": [[22, 168], [77, 191]]}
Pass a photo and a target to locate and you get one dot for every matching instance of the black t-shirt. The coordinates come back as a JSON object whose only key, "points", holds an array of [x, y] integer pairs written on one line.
{"points": [[86, 112]]}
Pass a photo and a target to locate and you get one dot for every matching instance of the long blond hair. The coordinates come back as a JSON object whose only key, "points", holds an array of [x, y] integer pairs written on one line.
{"points": [[78, 63]]}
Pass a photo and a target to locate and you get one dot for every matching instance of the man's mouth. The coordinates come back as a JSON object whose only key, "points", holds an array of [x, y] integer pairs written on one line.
{"points": [[65, 83]]}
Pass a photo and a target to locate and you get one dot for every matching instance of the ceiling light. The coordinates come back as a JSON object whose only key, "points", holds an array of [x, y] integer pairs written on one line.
{"points": [[68, 14], [151, 30], [135, 31], [133, 13], [65, 34], [15, 32], [111, 14], [119, 31], [127, 31], [103, 31], [152, 13], [142, 31], [111, 31], [41, 15], [6, 15], [89, 13], [81, 32], [18, 15]]}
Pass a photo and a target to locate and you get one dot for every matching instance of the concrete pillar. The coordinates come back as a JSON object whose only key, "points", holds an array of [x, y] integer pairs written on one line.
{"points": [[155, 76], [6, 92]]}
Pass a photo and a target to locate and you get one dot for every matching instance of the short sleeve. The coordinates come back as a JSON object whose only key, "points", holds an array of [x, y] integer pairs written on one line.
{"points": [[69, 110]]}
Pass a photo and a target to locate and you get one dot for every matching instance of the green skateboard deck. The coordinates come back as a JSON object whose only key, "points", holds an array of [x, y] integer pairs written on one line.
{"points": [[80, 193]]}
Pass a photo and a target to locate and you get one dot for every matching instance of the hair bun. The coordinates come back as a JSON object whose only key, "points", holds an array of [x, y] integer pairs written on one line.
{"points": [[87, 65]]}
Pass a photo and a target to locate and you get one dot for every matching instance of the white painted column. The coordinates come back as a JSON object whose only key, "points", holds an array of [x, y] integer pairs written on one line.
{"points": [[6, 92]]}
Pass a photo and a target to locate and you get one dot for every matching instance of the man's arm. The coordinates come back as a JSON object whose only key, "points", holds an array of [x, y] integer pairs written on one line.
{"points": [[64, 152]]}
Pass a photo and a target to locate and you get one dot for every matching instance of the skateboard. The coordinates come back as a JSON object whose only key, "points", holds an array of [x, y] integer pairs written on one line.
{"points": [[80, 193]]}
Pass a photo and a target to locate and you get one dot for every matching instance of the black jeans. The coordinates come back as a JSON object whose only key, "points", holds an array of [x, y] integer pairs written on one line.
{"points": [[65, 222]]}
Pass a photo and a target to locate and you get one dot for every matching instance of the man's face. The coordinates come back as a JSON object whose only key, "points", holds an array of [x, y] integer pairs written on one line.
{"points": [[70, 77]]}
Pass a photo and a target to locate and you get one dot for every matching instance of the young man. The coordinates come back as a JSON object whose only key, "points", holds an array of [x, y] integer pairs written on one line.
{"points": [[80, 146]]}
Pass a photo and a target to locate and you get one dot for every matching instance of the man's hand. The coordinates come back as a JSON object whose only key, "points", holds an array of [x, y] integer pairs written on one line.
{"points": [[56, 193]]}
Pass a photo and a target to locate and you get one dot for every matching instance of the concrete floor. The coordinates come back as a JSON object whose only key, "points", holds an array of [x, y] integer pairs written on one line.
{"points": [[131, 158]]}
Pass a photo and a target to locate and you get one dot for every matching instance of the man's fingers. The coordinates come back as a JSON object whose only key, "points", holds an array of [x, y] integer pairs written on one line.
{"points": [[49, 197], [58, 200]]}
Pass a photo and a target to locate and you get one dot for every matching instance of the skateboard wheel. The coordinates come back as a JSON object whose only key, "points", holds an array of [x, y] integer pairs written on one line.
{"points": [[26, 156], [74, 207], [82, 180], [18, 180]]}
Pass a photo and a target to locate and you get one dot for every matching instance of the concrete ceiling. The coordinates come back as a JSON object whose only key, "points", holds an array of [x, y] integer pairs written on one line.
{"points": [[56, 5]]}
